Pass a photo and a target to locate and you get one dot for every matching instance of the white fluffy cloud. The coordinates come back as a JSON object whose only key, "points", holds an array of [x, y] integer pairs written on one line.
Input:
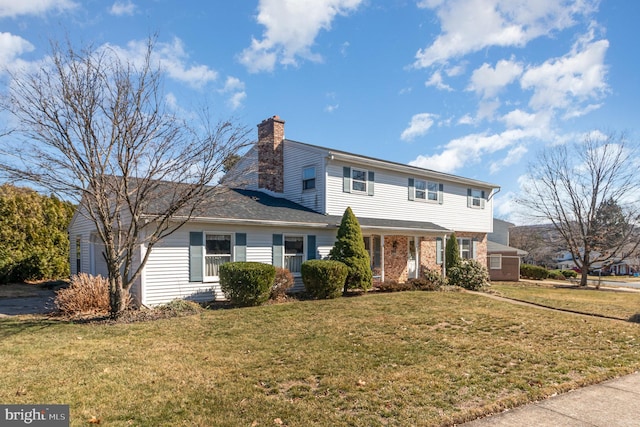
{"points": [[173, 59], [437, 82], [471, 148], [235, 88], [291, 28], [471, 25], [420, 125], [576, 77], [520, 102], [121, 8], [13, 8], [12, 46], [488, 82]]}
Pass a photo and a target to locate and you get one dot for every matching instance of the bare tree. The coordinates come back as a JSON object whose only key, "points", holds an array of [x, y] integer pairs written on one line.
{"points": [[574, 186], [95, 128]]}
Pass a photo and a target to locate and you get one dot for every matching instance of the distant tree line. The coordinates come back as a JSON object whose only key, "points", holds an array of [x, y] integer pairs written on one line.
{"points": [[34, 243]]}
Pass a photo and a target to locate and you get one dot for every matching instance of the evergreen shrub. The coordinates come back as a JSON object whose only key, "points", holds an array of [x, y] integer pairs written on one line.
{"points": [[247, 283], [469, 274], [324, 278]]}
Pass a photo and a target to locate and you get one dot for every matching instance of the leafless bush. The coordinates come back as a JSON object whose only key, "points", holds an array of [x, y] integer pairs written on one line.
{"points": [[86, 294], [282, 283]]}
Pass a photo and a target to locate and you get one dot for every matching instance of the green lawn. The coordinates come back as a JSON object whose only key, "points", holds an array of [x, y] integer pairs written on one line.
{"points": [[621, 304], [409, 358]]}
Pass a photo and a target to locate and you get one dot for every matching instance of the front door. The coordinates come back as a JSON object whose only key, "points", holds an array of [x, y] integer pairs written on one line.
{"points": [[412, 263]]}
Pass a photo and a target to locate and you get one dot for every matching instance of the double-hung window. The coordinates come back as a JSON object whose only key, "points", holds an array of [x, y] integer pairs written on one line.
{"points": [[293, 253], [425, 191], [421, 189], [359, 180], [217, 252], [466, 248], [309, 178], [432, 191], [495, 262], [475, 198]]}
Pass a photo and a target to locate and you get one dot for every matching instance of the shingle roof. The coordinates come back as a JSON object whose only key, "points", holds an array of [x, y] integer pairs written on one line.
{"points": [[251, 205], [497, 247]]}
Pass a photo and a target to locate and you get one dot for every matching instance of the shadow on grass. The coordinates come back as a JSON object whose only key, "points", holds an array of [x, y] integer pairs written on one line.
{"points": [[635, 318], [17, 324]]}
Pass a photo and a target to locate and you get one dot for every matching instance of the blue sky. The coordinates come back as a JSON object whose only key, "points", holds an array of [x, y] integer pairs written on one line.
{"points": [[469, 87]]}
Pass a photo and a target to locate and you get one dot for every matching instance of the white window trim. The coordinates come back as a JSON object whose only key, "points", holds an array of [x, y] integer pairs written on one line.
{"points": [[479, 198], [460, 240], [366, 181], [426, 198], [493, 257], [284, 250], [206, 278]]}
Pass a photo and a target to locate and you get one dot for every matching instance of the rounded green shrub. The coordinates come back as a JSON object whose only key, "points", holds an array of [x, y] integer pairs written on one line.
{"points": [[431, 280], [246, 283], [469, 274], [556, 275], [569, 274], [324, 278], [533, 272]]}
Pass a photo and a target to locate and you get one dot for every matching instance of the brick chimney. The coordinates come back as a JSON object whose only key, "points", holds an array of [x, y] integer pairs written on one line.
{"points": [[270, 154]]}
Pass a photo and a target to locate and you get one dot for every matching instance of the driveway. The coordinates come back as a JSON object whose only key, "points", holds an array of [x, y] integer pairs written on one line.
{"points": [[40, 303]]}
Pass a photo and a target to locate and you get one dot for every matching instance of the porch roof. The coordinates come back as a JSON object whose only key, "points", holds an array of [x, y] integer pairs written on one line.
{"points": [[497, 247]]}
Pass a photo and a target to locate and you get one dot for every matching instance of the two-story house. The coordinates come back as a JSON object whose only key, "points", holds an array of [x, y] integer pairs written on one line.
{"points": [[289, 210]]}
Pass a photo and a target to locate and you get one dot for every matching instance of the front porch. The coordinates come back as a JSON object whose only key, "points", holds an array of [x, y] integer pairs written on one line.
{"points": [[400, 257]]}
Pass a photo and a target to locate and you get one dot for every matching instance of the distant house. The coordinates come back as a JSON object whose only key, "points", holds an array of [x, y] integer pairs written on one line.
{"points": [[503, 261], [289, 211]]}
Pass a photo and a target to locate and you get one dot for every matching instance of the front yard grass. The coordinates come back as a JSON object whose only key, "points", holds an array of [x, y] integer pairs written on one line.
{"points": [[620, 304], [409, 358]]}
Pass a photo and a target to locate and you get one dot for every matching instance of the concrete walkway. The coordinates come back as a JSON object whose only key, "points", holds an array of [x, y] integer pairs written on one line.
{"points": [[614, 403]]}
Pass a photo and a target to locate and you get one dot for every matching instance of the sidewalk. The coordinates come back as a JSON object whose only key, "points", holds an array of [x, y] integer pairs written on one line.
{"points": [[614, 403]]}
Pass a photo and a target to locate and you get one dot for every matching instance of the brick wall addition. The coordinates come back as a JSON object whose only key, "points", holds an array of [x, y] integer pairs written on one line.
{"points": [[396, 252], [428, 255]]}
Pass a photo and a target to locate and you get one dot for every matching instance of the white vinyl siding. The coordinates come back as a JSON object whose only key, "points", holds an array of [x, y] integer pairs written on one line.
{"points": [[390, 201], [80, 229], [166, 275], [297, 159]]}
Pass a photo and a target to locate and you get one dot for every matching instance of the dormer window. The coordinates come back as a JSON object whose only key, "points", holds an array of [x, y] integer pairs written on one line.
{"points": [[309, 178]]}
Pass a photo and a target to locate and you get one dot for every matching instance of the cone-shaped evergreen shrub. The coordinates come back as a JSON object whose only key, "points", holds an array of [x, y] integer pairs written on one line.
{"points": [[349, 249], [452, 253]]}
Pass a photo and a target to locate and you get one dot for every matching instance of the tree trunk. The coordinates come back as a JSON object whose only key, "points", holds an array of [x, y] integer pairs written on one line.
{"points": [[116, 297], [583, 277]]}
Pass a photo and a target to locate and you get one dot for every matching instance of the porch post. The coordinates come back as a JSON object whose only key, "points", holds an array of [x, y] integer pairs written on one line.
{"points": [[382, 256], [444, 256]]}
